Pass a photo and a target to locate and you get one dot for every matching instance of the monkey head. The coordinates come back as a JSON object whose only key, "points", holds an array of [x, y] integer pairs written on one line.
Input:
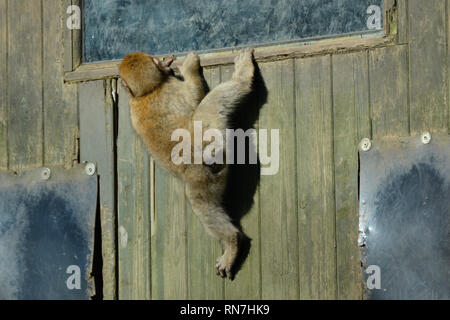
{"points": [[141, 73]]}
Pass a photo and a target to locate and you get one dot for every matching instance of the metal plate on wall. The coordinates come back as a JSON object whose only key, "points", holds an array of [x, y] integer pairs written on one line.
{"points": [[404, 218], [47, 218]]}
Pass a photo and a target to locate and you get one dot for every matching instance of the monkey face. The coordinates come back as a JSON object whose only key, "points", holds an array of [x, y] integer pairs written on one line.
{"points": [[141, 73]]}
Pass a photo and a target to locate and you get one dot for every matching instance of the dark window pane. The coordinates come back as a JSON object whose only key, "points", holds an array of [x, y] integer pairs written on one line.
{"points": [[113, 28]]}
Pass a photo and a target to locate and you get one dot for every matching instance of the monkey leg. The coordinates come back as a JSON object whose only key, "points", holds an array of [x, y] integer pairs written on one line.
{"points": [[219, 225], [190, 70]]}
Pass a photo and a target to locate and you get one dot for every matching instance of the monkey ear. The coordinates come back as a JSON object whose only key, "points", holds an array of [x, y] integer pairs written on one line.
{"points": [[125, 85], [168, 62], [156, 61]]}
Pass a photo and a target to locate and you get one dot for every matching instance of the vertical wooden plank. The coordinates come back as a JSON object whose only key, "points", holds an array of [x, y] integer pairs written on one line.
{"points": [[72, 39], [203, 250], [279, 234], [388, 72], [351, 124], [402, 22], [169, 240], [389, 24], [3, 85], [60, 114], [247, 284], [315, 171], [133, 209], [97, 145], [67, 37], [76, 40], [428, 58], [448, 64], [25, 131]]}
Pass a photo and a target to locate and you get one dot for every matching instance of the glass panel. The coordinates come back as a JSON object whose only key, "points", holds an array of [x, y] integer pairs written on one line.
{"points": [[115, 28]]}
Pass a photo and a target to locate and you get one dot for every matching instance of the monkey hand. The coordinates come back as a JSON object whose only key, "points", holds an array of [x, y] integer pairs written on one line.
{"points": [[243, 65], [191, 65]]}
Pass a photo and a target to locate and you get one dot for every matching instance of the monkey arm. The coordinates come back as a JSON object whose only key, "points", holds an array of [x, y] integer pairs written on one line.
{"points": [[223, 99], [190, 70]]}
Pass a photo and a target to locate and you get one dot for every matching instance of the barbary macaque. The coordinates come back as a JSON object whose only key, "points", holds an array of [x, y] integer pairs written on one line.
{"points": [[161, 103]]}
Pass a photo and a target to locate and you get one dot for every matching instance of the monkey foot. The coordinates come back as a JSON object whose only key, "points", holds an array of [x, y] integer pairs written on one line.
{"points": [[223, 267], [243, 65]]}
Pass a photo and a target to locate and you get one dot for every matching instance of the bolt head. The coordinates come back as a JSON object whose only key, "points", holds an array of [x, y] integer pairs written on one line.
{"points": [[46, 174], [90, 169], [425, 137], [365, 144]]}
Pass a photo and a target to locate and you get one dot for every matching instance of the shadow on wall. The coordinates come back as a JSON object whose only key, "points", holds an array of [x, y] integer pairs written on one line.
{"points": [[243, 179]]}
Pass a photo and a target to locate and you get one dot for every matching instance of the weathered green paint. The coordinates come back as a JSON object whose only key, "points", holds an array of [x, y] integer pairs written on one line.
{"points": [[60, 108], [25, 123], [279, 233], [97, 146], [315, 176], [169, 240], [134, 229], [304, 222], [402, 21], [351, 124], [3, 86], [427, 56], [389, 91]]}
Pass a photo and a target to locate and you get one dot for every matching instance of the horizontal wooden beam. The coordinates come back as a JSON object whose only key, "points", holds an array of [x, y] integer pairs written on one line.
{"points": [[350, 43]]}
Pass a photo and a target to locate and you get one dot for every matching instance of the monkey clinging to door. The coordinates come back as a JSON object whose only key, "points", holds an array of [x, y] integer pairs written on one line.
{"points": [[160, 103]]}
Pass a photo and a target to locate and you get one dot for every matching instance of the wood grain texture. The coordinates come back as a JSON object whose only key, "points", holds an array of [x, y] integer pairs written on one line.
{"points": [[25, 116], [389, 17], [67, 34], [3, 85], [315, 176], [351, 124], [133, 169], [97, 146], [169, 241], [71, 38], [59, 100], [203, 250], [448, 66], [77, 40], [427, 56], [388, 71], [354, 43], [279, 233], [402, 22], [247, 284]]}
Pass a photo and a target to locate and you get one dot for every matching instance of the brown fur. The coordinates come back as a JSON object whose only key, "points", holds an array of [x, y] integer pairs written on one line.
{"points": [[161, 103]]}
